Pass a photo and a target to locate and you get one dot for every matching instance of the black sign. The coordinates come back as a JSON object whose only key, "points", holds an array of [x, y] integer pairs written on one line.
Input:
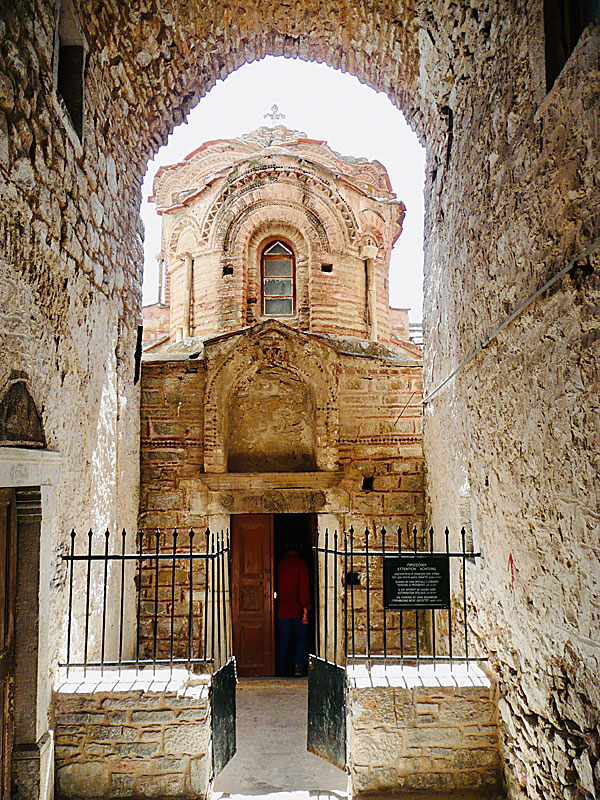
{"points": [[416, 581]]}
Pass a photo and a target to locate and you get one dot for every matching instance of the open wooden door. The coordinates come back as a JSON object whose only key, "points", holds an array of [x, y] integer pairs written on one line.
{"points": [[8, 574], [252, 593]]}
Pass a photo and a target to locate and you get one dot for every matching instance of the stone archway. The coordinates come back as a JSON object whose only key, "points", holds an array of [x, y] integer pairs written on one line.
{"points": [[272, 349], [470, 78]]}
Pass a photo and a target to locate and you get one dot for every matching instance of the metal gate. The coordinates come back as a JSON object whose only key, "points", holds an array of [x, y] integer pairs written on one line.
{"points": [[381, 597], [327, 711], [326, 678], [223, 715]]}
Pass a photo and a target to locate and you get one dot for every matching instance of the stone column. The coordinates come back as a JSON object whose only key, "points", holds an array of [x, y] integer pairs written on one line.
{"points": [[369, 253], [161, 279], [187, 295]]}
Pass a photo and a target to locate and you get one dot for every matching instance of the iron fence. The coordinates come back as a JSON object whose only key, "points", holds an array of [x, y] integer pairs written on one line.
{"points": [[392, 597], [157, 598]]}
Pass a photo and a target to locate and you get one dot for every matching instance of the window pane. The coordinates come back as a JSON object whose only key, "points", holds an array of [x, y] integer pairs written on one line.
{"points": [[275, 286], [278, 267], [278, 306], [277, 249]]}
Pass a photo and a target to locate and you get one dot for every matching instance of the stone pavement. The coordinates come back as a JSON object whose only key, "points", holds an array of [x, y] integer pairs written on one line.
{"points": [[272, 762], [272, 759]]}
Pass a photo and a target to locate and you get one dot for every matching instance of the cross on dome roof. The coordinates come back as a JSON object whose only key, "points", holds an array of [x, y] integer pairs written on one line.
{"points": [[274, 115]]}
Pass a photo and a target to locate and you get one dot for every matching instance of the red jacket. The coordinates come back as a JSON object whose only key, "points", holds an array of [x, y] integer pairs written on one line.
{"points": [[293, 593]]}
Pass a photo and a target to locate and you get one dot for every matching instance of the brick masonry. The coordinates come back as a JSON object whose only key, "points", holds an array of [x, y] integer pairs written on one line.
{"points": [[134, 742], [226, 201], [365, 423]]}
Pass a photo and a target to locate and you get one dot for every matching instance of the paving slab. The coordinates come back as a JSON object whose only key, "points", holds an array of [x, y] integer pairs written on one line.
{"points": [[271, 757]]}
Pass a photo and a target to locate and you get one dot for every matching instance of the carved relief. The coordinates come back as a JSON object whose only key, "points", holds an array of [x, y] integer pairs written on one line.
{"points": [[298, 430], [20, 423], [274, 502]]}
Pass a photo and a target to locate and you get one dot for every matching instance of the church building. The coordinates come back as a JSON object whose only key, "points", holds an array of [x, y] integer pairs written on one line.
{"points": [[280, 391]]}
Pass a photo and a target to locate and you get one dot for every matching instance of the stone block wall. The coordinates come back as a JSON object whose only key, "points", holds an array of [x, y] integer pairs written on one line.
{"points": [[416, 731], [380, 437], [131, 740], [512, 184], [172, 437], [513, 436]]}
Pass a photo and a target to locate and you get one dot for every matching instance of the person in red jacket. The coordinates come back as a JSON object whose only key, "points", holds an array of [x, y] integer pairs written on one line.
{"points": [[293, 605]]}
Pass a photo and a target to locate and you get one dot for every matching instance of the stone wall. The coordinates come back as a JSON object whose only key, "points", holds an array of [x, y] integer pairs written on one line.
{"points": [[511, 198], [510, 441], [378, 436], [414, 731], [132, 737], [70, 267]]}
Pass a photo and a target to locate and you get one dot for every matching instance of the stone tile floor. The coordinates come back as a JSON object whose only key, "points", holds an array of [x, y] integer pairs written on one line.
{"points": [[272, 762]]}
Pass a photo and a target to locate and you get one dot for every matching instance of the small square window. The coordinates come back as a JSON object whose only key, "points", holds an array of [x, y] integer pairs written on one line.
{"points": [[564, 22], [71, 49]]}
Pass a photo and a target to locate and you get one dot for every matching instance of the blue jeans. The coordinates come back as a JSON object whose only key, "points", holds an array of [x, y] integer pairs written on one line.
{"points": [[285, 628]]}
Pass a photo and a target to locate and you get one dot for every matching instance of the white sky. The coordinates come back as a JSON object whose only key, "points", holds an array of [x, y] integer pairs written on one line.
{"points": [[326, 104]]}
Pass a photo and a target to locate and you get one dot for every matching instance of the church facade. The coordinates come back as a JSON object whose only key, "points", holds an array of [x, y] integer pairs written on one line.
{"points": [[279, 391]]}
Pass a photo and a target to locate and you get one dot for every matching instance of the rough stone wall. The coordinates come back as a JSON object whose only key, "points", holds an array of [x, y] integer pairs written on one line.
{"points": [[132, 742], [513, 436], [70, 266], [419, 734], [271, 424], [511, 197]]}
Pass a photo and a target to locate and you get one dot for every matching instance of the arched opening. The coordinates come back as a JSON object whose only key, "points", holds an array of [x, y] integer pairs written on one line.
{"points": [[278, 279], [324, 103], [271, 448], [271, 424], [472, 93]]}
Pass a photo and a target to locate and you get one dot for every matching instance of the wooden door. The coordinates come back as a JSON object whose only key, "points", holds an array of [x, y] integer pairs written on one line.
{"points": [[252, 593], [8, 564]]}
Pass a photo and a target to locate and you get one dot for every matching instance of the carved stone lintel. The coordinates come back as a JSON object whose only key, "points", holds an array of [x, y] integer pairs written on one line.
{"points": [[263, 500]]}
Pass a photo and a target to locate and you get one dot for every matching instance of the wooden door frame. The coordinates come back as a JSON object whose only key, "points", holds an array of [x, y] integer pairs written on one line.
{"points": [[23, 469], [7, 645]]}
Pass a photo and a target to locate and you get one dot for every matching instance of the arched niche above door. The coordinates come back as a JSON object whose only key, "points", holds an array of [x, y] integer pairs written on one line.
{"points": [[277, 372]]}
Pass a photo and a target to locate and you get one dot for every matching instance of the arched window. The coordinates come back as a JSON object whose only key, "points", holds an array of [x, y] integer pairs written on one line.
{"points": [[278, 275]]}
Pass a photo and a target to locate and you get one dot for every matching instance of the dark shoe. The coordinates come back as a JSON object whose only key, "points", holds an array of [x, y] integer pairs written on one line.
{"points": [[298, 672]]}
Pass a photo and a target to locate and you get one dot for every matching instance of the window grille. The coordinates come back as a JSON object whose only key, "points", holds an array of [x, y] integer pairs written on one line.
{"points": [[278, 271]]}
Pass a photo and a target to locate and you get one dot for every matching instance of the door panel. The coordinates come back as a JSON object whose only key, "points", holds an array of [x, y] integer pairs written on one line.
{"points": [[8, 565], [327, 711], [223, 715], [252, 593]]}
